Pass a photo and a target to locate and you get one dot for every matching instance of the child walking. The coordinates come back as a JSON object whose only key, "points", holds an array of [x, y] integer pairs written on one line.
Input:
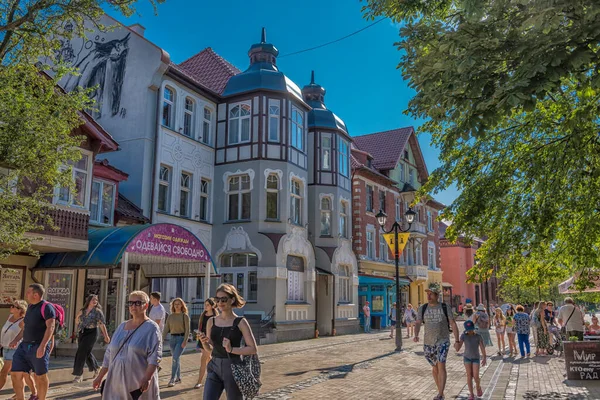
{"points": [[473, 343]]}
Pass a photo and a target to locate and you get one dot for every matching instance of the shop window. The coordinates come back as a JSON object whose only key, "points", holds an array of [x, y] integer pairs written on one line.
{"points": [[102, 202], [376, 303], [59, 290], [295, 270]]}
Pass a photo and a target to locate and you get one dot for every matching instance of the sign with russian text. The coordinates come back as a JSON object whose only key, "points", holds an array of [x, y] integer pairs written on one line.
{"points": [[402, 240], [171, 241], [583, 360], [12, 281]]}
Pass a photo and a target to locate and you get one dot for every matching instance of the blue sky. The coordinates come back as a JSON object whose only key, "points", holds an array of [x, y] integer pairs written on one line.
{"points": [[363, 85]]}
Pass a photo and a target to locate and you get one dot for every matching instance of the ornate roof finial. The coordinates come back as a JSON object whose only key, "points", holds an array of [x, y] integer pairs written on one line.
{"points": [[312, 77], [263, 37]]}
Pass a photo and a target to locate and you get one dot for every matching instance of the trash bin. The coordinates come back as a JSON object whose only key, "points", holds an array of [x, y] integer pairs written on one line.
{"points": [[375, 322]]}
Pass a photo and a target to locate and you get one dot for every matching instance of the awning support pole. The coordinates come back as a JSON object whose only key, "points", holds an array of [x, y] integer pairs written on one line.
{"points": [[207, 280], [123, 294]]}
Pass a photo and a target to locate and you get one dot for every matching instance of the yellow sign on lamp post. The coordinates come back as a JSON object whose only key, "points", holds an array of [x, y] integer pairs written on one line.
{"points": [[402, 240]]}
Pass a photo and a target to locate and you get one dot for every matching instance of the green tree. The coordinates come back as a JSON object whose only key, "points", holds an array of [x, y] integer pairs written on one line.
{"points": [[510, 91], [36, 117]]}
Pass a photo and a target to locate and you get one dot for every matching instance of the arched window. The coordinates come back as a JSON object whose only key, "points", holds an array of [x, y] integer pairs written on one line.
{"points": [[188, 117], [239, 124], [273, 197], [168, 110], [206, 126], [325, 216]]}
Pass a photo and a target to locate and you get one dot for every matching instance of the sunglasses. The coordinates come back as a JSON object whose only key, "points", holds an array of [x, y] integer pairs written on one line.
{"points": [[13, 306], [221, 299], [137, 303]]}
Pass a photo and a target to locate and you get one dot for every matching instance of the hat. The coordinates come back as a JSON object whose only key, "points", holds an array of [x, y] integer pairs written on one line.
{"points": [[469, 325], [480, 307], [434, 287], [469, 306]]}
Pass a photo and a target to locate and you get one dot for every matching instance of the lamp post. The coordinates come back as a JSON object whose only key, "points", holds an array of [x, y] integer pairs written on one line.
{"points": [[396, 228]]}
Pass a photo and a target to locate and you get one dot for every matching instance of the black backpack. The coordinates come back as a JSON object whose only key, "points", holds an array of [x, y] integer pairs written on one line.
{"points": [[444, 309]]}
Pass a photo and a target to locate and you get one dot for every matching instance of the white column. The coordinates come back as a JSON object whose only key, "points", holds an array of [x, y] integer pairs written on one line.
{"points": [[123, 295]]}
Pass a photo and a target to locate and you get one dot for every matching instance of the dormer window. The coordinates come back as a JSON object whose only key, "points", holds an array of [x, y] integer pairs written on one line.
{"points": [[297, 129], [102, 202], [239, 124], [168, 107], [273, 123], [188, 117]]}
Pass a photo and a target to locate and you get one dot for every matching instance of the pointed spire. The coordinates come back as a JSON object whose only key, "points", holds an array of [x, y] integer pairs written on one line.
{"points": [[263, 52], [314, 93], [263, 36], [312, 77]]}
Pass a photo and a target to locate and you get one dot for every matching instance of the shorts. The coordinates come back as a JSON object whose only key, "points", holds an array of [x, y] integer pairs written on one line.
{"points": [[500, 331], [25, 360], [437, 353], [509, 329], [8, 353], [471, 360], [393, 323]]}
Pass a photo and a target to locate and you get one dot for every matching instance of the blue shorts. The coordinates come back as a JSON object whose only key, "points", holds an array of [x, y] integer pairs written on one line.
{"points": [[471, 360], [8, 353], [393, 323], [25, 359]]}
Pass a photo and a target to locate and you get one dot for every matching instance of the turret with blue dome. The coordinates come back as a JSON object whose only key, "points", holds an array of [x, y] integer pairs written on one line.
{"points": [[262, 74], [320, 116]]}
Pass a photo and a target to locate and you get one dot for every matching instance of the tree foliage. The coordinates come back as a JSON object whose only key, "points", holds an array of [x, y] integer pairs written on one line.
{"points": [[36, 117], [510, 90]]}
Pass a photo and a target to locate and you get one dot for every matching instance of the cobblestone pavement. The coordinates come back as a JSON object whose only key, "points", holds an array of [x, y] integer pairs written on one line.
{"points": [[362, 366]]}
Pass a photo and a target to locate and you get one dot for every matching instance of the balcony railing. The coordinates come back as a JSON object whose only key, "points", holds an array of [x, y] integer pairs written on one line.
{"points": [[69, 223], [417, 272], [418, 227]]}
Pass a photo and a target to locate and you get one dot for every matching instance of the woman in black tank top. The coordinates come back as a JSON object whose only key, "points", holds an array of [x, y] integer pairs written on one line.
{"points": [[225, 333], [210, 310]]}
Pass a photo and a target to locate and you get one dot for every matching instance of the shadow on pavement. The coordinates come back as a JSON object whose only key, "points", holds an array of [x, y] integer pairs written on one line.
{"points": [[342, 370], [554, 396]]}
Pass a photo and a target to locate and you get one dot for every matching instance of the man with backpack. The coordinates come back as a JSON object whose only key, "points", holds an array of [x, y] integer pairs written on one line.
{"points": [[33, 354], [437, 318]]}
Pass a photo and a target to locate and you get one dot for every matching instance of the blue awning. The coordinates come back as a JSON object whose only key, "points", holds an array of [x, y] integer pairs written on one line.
{"points": [[154, 241], [380, 280]]}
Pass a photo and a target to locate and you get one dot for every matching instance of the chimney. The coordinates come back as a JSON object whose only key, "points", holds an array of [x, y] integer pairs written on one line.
{"points": [[137, 28]]}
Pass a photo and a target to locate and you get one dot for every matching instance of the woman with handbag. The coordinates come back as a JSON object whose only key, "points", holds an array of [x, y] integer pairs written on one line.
{"points": [[131, 359], [11, 329], [90, 318], [178, 325], [229, 337], [210, 310]]}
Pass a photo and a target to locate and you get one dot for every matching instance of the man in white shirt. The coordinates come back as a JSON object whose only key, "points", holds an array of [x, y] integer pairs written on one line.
{"points": [[157, 312], [571, 316], [367, 315]]}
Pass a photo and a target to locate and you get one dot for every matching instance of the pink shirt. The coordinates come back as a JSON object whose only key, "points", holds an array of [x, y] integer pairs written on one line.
{"points": [[367, 311]]}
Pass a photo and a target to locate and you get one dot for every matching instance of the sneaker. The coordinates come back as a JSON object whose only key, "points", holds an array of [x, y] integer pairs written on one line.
{"points": [[77, 379], [171, 383], [198, 386], [177, 381]]}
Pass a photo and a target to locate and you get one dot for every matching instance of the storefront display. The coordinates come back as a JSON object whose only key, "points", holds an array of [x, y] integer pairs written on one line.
{"points": [[59, 290]]}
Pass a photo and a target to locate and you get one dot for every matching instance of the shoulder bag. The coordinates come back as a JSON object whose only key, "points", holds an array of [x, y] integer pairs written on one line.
{"points": [[563, 329], [246, 371]]}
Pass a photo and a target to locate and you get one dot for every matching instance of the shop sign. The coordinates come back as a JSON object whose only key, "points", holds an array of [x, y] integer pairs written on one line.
{"points": [[295, 263], [172, 241], [583, 360], [12, 284]]}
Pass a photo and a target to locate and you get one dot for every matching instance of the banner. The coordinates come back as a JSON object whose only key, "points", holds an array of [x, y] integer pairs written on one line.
{"points": [[402, 240]]}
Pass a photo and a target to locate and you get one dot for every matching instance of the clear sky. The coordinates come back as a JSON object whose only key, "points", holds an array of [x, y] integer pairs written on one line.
{"points": [[363, 85]]}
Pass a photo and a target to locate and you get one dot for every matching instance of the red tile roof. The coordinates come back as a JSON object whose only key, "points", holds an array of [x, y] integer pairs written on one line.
{"points": [[209, 69], [385, 147]]}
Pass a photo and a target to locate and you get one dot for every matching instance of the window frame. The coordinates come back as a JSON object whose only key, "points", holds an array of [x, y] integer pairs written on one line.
{"points": [[345, 284], [383, 249], [325, 212], [370, 198], [344, 217], [297, 128], [187, 112], [206, 125], [100, 204], [186, 189], [296, 285], [89, 176], [171, 104], [382, 196], [276, 118], [204, 200], [240, 192], [429, 221], [239, 121], [326, 153], [247, 270], [370, 244], [431, 258], [296, 218], [343, 157], [167, 184], [272, 191]]}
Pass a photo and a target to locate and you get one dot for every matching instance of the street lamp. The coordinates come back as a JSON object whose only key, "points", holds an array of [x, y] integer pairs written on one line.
{"points": [[409, 215]]}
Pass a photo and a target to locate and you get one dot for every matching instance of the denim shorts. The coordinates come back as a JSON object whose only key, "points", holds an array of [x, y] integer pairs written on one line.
{"points": [[471, 360], [8, 353]]}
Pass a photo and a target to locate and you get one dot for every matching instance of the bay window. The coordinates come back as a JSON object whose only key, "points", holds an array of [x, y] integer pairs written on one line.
{"points": [[326, 153], [240, 270], [343, 156], [273, 123], [325, 216], [239, 197], [297, 129], [344, 219], [296, 202], [81, 173], [239, 124], [102, 202]]}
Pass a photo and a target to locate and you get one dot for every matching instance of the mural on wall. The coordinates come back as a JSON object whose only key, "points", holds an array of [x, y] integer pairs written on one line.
{"points": [[101, 64]]}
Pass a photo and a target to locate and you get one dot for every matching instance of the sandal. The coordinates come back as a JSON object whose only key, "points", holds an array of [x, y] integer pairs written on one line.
{"points": [[198, 386], [479, 392]]}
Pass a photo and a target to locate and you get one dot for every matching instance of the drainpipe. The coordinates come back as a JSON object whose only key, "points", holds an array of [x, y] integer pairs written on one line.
{"points": [[333, 307], [156, 157], [317, 307]]}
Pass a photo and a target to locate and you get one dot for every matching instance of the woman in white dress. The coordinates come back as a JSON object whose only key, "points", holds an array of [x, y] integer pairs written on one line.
{"points": [[131, 360]]}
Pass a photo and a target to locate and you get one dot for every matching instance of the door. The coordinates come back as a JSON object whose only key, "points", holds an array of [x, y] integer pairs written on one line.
{"points": [[112, 302], [324, 305]]}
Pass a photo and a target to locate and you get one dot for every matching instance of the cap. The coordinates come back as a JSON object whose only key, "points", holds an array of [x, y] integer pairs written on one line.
{"points": [[434, 287], [469, 325], [480, 307]]}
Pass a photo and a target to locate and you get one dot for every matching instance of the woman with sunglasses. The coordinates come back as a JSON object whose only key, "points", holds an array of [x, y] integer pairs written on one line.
{"points": [[210, 310], [178, 325], [225, 333], [11, 329], [131, 359], [90, 318]]}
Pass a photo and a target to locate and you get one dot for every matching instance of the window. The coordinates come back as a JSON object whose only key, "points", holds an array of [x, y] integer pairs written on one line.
{"points": [[345, 279], [273, 123], [295, 272], [188, 117], [429, 222], [431, 255], [383, 249], [273, 197], [163, 189], [239, 124], [297, 129], [411, 177], [204, 188], [102, 202], [326, 153], [168, 107], [239, 198], [239, 269], [184, 195], [325, 216], [398, 211], [406, 155], [401, 172], [206, 126], [80, 176], [296, 207], [370, 245], [344, 219], [199, 288], [369, 198], [382, 200], [343, 155]]}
